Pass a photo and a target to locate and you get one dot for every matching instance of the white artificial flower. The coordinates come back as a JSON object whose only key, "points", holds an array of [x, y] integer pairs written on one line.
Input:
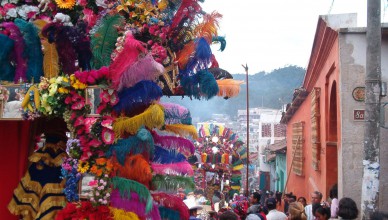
{"points": [[12, 13]]}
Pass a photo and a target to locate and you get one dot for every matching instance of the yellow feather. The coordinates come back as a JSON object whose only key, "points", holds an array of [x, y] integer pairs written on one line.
{"points": [[26, 99], [153, 117], [40, 25], [50, 59], [36, 98], [182, 130], [119, 214]]}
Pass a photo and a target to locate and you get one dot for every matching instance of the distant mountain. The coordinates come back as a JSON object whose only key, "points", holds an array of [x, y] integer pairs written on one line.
{"points": [[270, 90]]}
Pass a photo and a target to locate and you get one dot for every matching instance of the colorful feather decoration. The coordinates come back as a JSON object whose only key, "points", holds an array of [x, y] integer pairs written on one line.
{"points": [[18, 50], [176, 114], [32, 50], [169, 183], [201, 58], [186, 13], [164, 156], [104, 39], [201, 85], [62, 36], [171, 202], [184, 55], [129, 188], [119, 214], [182, 130], [145, 68], [166, 213], [207, 84], [50, 53], [208, 28], [144, 93], [151, 118], [142, 143], [7, 70], [174, 169], [221, 40], [136, 168], [228, 87], [82, 46], [182, 145], [132, 48]]}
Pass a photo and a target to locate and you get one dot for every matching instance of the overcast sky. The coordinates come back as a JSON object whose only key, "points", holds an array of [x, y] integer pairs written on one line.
{"points": [[272, 34]]}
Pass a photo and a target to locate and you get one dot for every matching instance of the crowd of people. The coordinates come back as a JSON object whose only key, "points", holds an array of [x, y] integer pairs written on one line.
{"points": [[268, 206]]}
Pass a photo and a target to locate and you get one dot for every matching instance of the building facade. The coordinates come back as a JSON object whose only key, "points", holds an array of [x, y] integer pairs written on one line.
{"points": [[325, 127]]}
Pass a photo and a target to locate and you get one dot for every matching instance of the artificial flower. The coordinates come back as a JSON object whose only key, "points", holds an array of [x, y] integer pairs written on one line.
{"points": [[83, 166], [108, 136], [65, 4]]}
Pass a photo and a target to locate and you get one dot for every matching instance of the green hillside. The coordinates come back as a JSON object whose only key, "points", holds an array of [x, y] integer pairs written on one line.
{"points": [[265, 89]]}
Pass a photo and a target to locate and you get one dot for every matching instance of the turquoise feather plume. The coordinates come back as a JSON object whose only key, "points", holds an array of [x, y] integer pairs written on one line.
{"points": [[33, 49], [7, 70], [104, 39], [142, 143], [126, 186], [221, 40]]}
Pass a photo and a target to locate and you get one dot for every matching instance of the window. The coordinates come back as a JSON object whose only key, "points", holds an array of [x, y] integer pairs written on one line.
{"points": [[297, 148]]}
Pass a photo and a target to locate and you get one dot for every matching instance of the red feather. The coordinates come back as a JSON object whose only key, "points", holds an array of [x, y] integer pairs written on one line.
{"points": [[172, 202]]}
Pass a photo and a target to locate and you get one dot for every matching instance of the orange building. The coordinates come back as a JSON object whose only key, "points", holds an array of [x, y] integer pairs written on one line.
{"points": [[325, 128]]}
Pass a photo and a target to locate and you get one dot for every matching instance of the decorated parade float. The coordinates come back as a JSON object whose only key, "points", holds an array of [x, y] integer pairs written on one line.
{"points": [[218, 162], [101, 66]]}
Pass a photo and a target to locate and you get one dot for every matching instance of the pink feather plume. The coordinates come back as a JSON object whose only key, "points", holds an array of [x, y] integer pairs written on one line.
{"points": [[181, 168], [128, 56], [14, 33], [172, 202], [133, 205], [180, 144], [173, 106], [145, 68]]}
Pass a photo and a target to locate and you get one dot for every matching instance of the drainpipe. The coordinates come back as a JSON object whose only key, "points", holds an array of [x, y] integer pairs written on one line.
{"points": [[371, 160]]}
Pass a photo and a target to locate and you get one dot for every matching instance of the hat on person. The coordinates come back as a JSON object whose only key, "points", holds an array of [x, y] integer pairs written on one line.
{"points": [[192, 204], [271, 203]]}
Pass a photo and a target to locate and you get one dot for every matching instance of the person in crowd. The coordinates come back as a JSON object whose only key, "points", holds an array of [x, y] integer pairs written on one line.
{"points": [[274, 214], [278, 197], [321, 212], [194, 207], [347, 208], [255, 207], [333, 194], [216, 197], [303, 201], [228, 215], [316, 198], [287, 198], [296, 211]]}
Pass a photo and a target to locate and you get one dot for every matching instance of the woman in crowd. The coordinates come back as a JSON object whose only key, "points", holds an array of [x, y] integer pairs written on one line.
{"points": [[296, 211]]}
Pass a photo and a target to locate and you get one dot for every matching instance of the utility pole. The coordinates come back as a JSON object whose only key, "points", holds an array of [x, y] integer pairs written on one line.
{"points": [[247, 176], [371, 160]]}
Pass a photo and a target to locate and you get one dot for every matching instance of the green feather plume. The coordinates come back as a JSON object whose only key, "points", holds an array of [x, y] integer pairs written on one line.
{"points": [[104, 39], [126, 186], [172, 183]]}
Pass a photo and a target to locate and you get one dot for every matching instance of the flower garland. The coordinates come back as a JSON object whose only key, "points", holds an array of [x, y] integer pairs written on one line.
{"points": [[101, 190], [84, 210]]}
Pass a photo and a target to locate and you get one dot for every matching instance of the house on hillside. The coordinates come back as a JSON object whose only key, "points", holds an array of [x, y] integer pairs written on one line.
{"points": [[325, 126]]}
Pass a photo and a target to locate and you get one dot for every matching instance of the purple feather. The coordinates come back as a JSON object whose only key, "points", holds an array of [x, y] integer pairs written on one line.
{"points": [[82, 46], [182, 145], [66, 52], [21, 62], [133, 205], [145, 68], [176, 114]]}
